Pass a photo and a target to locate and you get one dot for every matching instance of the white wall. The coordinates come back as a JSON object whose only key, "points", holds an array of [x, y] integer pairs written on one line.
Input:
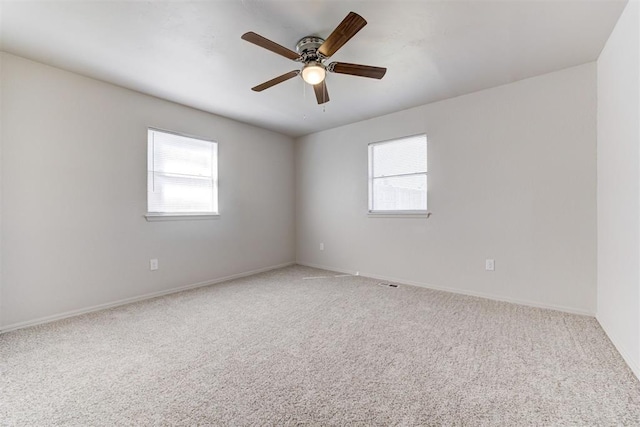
{"points": [[73, 176], [512, 176], [619, 186]]}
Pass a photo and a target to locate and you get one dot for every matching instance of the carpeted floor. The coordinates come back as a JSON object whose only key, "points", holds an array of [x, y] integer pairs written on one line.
{"points": [[278, 349]]}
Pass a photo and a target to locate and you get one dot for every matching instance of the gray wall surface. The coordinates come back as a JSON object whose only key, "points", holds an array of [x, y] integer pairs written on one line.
{"points": [[512, 177], [74, 192], [619, 186]]}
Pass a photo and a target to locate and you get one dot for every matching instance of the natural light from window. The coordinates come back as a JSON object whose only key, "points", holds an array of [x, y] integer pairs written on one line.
{"points": [[182, 174], [398, 176]]}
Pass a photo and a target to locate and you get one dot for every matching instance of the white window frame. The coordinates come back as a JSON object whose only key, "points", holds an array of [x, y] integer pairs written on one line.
{"points": [[177, 216], [394, 213]]}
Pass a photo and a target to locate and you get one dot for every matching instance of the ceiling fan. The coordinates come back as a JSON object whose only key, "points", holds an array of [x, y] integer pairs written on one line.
{"points": [[312, 51]]}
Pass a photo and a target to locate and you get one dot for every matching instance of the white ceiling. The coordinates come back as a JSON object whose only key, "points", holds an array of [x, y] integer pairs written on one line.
{"points": [[191, 52]]}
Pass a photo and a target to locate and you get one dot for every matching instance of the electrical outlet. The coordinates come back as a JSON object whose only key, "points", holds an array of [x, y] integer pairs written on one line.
{"points": [[322, 246], [153, 264], [489, 264]]}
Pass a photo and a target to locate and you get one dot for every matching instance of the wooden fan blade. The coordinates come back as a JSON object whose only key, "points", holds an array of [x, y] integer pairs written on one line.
{"points": [[322, 95], [274, 47], [357, 70], [343, 32], [273, 82]]}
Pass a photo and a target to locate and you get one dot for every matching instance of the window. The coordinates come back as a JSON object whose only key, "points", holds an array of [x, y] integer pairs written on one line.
{"points": [[398, 176], [182, 175]]}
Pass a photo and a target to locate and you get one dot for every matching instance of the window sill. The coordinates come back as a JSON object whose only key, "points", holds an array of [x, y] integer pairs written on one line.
{"points": [[179, 217], [420, 215]]}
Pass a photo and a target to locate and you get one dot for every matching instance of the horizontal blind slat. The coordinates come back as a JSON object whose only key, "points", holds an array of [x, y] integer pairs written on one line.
{"points": [[402, 156]]}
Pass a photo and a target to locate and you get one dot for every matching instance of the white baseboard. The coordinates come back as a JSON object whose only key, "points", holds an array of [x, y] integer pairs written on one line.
{"points": [[617, 342], [72, 313], [457, 291]]}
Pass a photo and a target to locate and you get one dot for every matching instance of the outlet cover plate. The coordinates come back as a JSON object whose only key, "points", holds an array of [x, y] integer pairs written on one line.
{"points": [[489, 264]]}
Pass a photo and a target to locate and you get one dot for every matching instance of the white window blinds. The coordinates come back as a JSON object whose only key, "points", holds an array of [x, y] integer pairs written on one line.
{"points": [[182, 174], [398, 175]]}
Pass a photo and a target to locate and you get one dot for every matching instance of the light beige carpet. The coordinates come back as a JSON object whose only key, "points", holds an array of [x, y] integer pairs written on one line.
{"points": [[275, 349]]}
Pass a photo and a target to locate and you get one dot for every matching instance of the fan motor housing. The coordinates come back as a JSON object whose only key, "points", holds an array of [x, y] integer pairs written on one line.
{"points": [[309, 45]]}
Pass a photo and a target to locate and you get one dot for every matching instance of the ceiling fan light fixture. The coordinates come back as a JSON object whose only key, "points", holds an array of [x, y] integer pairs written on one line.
{"points": [[311, 51], [313, 73]]}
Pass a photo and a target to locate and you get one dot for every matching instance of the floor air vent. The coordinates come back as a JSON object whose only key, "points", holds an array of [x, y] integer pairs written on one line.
{"points": [[388, 285]]}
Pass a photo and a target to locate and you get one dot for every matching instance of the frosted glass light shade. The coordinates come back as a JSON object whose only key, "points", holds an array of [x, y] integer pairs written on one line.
{"points": [[313, 73]]}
